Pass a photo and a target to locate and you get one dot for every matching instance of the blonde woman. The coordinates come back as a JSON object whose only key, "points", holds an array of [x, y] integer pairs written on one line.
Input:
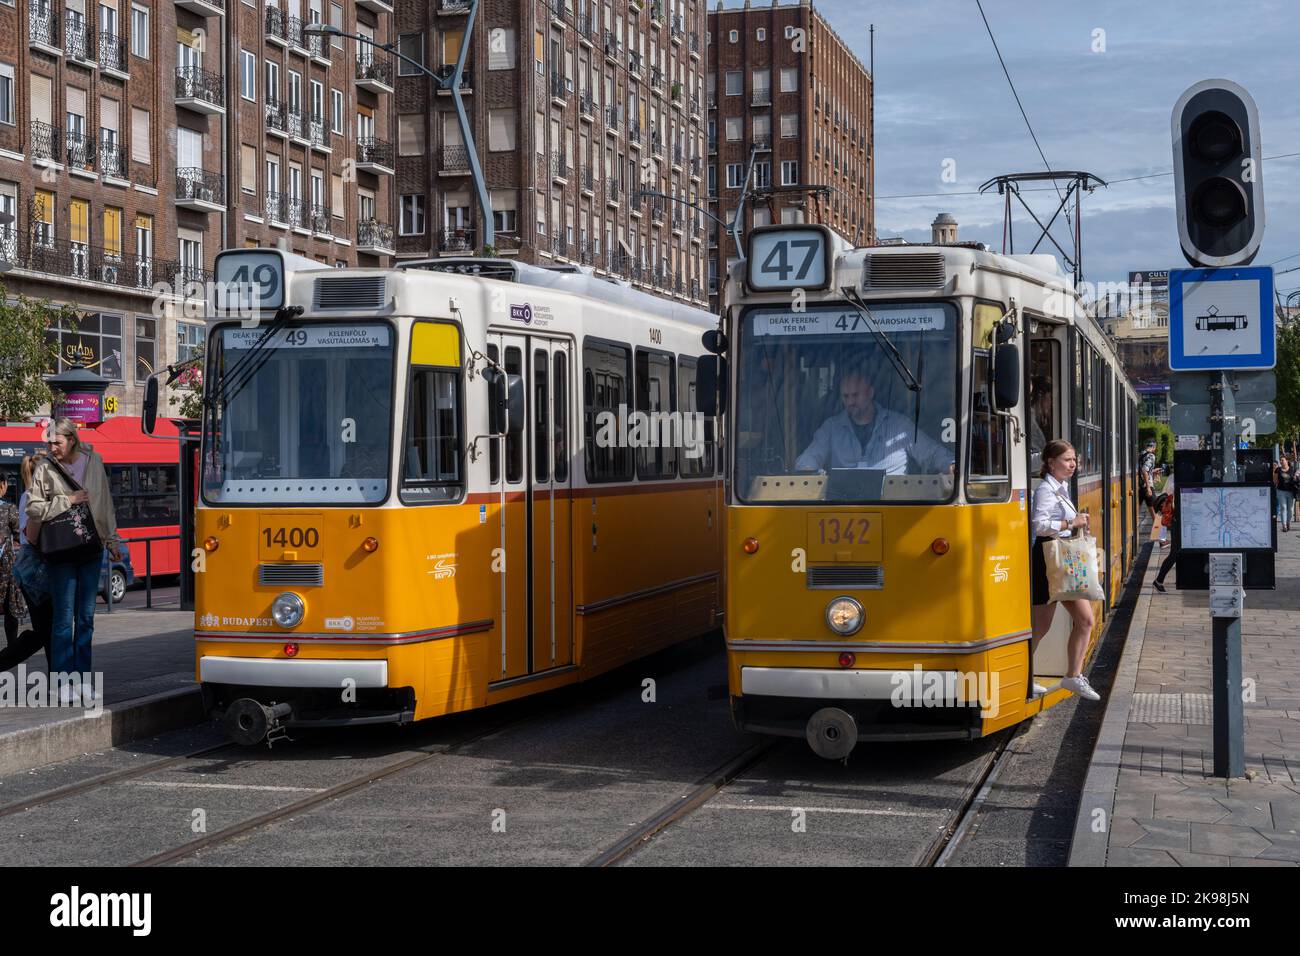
{"points": [[73, 586], [1055, 516]]}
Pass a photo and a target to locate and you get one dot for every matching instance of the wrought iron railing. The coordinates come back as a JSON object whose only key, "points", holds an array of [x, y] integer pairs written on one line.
{"points": [[275, 24], [559, 166], [112, 159], [558, 90], [78, 38], [112, 52], [80, 151], [611, 118], [42, 27], [587, 179], [656, 78], [293, 31], [62, 257], [586, 103], [276, 207], [455, 158], [319, 217], [444, 73], [295, 209], [456, 240], [373, 68], [193, 82], [193, 183], [275, 116], [634, 62], [296, 122], [373, 234], [377, 151], [317, 44], [612, 190], [634, 132], [317, 131]]}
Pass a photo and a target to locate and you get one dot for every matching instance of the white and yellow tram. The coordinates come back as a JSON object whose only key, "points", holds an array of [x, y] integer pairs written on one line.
{"points": [[407, 508], [889, 598]]}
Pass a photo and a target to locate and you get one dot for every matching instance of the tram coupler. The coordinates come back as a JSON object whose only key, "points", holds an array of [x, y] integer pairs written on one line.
{"points": [[832, 733], [248, 722]]}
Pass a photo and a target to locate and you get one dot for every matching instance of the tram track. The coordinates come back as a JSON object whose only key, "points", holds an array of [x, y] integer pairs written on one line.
{"points": [[945, 845]]}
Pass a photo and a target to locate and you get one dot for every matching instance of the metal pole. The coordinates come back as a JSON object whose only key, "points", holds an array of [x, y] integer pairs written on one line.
{"points": [[187, 489], [453, 83], [1229, 717]]}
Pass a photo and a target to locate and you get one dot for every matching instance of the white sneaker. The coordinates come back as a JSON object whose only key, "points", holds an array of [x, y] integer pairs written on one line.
{"points": [[1039, 689], [1079, 685], [87, 692], [69, 696]]}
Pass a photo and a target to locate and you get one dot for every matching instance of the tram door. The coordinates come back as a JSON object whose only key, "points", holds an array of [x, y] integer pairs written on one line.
{"points": [[535, 519]]}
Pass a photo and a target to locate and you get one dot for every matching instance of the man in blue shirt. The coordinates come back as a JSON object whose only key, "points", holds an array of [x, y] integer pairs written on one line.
{"points": [[865, 435]]}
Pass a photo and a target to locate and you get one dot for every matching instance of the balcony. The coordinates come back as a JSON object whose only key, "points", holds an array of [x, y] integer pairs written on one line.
{"points": [[43, 32], [277, 208], [318, 46], [375, 156], [761, 98], [319, 218], [634, 133], [455, 161], [612, 192], [560, 247], [559, 92], [612, 47], [586, 252], [374, 74], [657, 80], [112, 160], [763, 143], [693, 45], [677, 28], [200, 90], [277, 121], [587, 180], [79, 40], [204, 8], [656, 146], [557, 13], [80, 152], [695, 167], [375, 238], [559, 168], [295, 213], [611, 119], [713, 146], [634, 64], [713, 101], [586, 106], [445, 73], [677, 158], [45, 142], [456, 241], [293, 30], [112, 56], [588, 29], [299, 129], [444, 6], [695, 110], [656, 14], [383, 6], [200, 190], [80, 260], [318, 135], [277, 30]]}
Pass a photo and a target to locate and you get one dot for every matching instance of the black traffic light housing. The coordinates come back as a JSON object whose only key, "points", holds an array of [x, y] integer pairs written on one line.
{"points": [[1218, 174]]}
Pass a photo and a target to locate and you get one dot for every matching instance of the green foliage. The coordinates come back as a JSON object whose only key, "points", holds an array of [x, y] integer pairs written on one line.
{"points": [[25, 357], [1287, 401], [1149, 428]]}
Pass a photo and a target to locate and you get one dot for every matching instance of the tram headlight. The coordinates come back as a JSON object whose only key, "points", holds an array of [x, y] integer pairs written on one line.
{"points": [[844, 616], [288, 609]]}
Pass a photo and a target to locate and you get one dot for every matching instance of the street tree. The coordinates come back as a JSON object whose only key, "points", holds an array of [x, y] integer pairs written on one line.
{"points": [[25, 356]]}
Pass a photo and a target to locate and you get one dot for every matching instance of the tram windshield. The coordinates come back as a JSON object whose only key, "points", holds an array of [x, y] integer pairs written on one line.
{"points": [[305, 419], [826, 411]]}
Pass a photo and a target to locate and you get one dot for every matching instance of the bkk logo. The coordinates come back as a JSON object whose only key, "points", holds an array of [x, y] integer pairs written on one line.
{"points": [[522, 313]]}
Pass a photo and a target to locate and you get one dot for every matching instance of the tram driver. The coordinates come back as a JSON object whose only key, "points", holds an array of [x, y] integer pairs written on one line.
{"points": [[867, 435]]}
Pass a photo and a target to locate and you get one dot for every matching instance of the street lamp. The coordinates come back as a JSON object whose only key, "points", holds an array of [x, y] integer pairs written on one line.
{"points": [[451, 83]]}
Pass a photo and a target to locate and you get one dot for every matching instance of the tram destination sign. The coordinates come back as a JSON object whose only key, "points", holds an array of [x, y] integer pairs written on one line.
{"points": [[786, 322]]}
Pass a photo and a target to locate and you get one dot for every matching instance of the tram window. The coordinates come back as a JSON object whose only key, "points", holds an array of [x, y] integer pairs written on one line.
{"points": [[514, 365], [494, 447], [697, 444], [1088, 407], [656, 397], [541, 416], [989, 479], [606, 384], [1043, 419], [561, 393], [145, 495], [431, 458]]}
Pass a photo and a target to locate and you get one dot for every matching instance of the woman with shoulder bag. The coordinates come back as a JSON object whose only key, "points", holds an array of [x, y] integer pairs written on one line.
{"points": [[1284, 482], [1055, 516], [74, 520]]}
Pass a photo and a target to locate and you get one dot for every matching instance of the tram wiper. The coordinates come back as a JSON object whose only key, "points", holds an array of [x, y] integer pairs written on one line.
{"points": [[895, 359], [251, 362]]}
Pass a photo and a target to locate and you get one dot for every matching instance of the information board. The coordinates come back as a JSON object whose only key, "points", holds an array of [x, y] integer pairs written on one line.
{"points": [[1235, 517]]}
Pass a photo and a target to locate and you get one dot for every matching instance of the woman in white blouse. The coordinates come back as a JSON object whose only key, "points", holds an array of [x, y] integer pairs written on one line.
{"points": [[1056, 517]]}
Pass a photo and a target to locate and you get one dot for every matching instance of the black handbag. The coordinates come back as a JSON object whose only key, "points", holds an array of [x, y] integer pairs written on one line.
{"points": [[70, 537]]}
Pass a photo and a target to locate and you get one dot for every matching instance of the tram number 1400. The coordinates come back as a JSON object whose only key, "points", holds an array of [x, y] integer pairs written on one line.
{"points": [[291, 537]]}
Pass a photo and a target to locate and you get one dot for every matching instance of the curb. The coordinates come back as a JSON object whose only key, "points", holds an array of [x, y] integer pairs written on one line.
{"points": [[1088, 847], [120, 723]]}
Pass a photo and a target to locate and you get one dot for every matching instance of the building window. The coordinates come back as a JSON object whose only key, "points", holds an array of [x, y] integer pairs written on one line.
{"points": [[505, 220], [410, 45], [760, 34], [713, 180], [789, 125], [140, 31], [789, 79], [189, 339], [44, 213], [144, 346], [735, 82], [413, 215], [92, 338], [735, 128], [789, 172], [336, 19], [762, 175], [410, 134], [735, 175], [501, 48], [789, 32], [247, 75], [336, 111], [502, 130], [7, 94], [733, 36]]}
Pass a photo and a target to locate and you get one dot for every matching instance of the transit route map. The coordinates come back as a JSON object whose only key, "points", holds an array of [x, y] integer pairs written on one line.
{"points": [[1231, 517]]}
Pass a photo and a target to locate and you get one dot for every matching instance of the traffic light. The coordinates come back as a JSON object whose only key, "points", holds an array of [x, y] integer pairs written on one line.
{"points": [[1218, 185]]}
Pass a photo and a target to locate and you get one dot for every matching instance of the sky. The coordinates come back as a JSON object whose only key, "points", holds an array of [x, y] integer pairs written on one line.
{"points": [[941, 96]]}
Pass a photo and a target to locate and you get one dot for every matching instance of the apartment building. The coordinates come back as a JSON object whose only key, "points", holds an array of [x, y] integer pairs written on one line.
{"points": [[577, 109], [782, 82], [139, 137]]}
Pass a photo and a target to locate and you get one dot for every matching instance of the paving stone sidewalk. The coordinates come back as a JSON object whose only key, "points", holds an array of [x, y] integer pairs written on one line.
{"points": [[1168, 809]]}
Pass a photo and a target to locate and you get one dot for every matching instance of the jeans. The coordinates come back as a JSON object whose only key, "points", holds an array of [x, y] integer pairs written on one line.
{"points": [[1284, 499], [73, 590]]}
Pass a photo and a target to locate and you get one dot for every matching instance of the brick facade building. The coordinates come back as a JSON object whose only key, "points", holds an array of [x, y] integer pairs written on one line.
{"points": [[575, 106], [138, 137], [781, 80]]}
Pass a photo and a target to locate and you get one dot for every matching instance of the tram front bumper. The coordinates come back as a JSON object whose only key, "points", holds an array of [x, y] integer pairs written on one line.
{"points": [[307, 673], [900, 686]]}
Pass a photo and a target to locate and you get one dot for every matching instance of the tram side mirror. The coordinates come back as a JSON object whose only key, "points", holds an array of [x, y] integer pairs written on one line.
{"points": [[1006, 376], [711, 385], [498, 400], [149, 414], [715, 341]]}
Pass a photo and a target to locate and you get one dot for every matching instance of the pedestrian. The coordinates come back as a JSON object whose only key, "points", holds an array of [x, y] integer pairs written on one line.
{"points": [[1169, 514], [32, 575], [75, 475], [1146, 478], [11, 596], [1284, 482], [1166, 505], [1055, 516]]}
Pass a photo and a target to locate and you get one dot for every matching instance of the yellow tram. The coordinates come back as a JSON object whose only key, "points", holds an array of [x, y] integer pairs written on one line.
{"points": [[878, 574], [407, 508]]}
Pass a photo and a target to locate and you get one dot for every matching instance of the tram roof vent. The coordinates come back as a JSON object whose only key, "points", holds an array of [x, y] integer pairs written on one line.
{"points": [[910, 270], [350, 292]]}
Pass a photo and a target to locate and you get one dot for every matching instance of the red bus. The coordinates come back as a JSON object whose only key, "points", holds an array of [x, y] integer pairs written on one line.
{"points": [[143, 477]]}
